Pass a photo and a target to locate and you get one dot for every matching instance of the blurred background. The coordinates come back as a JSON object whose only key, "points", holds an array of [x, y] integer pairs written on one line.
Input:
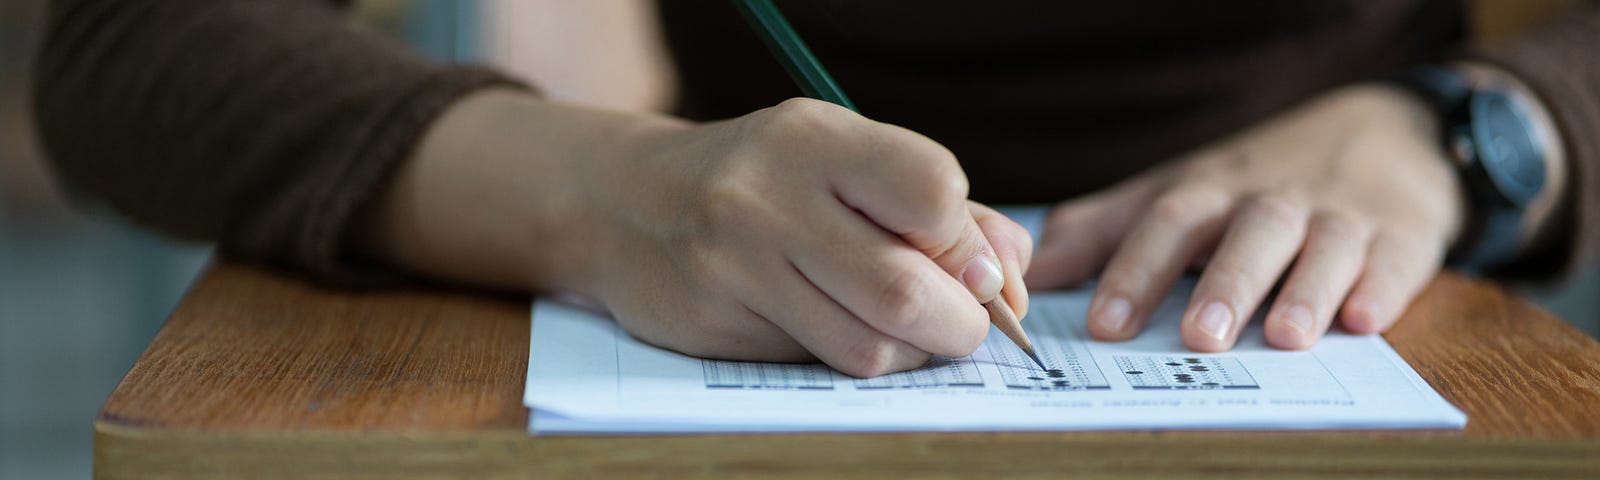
{"points": [[82, 292]]}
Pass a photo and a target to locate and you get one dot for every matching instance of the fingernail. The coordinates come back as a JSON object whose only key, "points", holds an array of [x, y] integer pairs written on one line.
{"points": [[1214, 321], [1113, 314], [1299, 319], [983, 277]]}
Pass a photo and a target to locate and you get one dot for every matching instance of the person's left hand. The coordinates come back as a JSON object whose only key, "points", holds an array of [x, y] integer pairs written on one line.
{"points": [[1349, 201]]}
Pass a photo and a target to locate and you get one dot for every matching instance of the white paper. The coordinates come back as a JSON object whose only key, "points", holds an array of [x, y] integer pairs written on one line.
{"points": [[586, 375]]}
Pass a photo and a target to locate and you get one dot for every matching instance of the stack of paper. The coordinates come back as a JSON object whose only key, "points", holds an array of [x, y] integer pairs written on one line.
{"points": [[586, 375]]}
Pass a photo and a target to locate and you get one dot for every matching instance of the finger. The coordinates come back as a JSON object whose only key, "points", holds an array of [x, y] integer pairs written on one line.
{"points": [[910, 186], [914, 188], [1335, 250], [903, 181], [891, 286], [1398, 266], [1262, 238], [974, 260], [829, 331], [721, 330], [710, 326], [1080, 235], [1151, 258], [1014, 246]]}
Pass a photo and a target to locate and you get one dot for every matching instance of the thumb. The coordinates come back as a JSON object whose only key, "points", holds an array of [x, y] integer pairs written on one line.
{"points": [[1012, 243]]}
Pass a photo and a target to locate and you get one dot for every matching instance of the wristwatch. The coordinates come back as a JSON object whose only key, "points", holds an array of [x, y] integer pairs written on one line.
{"points": [[1497, 154]]}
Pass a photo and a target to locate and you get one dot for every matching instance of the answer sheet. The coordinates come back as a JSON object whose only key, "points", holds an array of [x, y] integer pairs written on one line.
{"points": [[587, 376]]}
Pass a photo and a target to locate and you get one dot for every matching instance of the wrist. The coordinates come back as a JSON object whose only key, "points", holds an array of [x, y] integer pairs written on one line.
{"points": [[1538, 223], [489, 198], [1499, 139]]}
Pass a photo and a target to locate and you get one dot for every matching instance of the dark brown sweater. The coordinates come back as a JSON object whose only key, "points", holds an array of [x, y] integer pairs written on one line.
{"points": [[268, 125]]}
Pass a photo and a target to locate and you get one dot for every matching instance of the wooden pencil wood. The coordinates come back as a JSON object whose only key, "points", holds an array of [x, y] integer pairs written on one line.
{"points": [[1004, 318]]}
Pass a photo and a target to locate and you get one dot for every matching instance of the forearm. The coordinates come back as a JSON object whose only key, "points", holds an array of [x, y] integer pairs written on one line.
{"points": [[493, 194], [263, 126]]}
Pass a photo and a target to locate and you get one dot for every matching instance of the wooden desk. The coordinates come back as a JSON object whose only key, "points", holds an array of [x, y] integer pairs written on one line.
{"points": [[261, 375]]}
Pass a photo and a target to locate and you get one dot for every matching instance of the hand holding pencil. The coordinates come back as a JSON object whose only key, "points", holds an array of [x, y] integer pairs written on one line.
{"points": [[815, 81], [795, 233]]}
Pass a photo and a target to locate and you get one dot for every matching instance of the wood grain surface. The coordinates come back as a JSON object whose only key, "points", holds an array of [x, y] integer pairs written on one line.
{"points": [[262, 375]]}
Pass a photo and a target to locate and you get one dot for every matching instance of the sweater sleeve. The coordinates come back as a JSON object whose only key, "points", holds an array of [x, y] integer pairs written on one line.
{"points": [[1561, 63], [266, 126]]}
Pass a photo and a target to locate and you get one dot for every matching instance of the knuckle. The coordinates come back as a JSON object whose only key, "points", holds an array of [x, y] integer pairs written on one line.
{"points": [[803, 106], [945, 174], [1185, 206], [731, 198], [941, 187], [1413, 270], [1172, 208], [803, 114], [901, 301], [1127, 279], [1381, 278], [1020, 233], [1278, 210], [871, 358], [715, 268], [970, 243], [1338, 226], [920, 160], [1229, 280], [1075, 222], [1316, 295], [1067, 215], [947, 187], [1403, 245]]}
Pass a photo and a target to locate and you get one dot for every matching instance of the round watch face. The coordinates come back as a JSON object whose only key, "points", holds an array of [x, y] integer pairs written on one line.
{"points": [[1507, 149]]}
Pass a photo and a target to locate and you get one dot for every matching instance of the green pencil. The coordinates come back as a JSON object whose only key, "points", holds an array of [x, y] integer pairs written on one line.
{"points": [[806, 71], [792, 52]]}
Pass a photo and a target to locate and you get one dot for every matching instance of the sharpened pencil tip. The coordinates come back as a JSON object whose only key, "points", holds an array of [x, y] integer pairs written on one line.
{"points": [[1035, 358]]}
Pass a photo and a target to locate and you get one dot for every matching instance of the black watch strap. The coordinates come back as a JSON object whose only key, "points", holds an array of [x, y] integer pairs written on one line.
{"points": [[1443, 88], [1498, 159]]}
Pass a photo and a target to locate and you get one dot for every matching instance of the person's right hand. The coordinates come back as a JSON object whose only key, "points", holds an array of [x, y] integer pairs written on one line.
{"points": [[802, 231]]}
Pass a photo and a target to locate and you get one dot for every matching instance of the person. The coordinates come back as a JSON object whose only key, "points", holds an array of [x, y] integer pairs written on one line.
{"points": [[1254, 140]]}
